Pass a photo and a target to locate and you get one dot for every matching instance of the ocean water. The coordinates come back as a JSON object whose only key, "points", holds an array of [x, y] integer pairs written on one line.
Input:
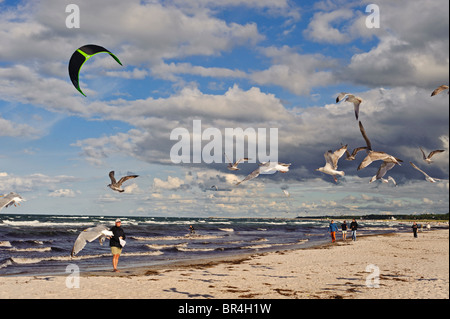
{"points": [[41, 244]]}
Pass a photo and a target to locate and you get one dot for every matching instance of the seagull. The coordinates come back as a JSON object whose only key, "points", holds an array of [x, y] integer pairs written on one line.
{"points": [[331, 159], [233, 166], [347, 97], [378, 156], [374, 155], [286, 193], [440, 89], [89, 235], [116, 185], [427, 177], [385, 166], [428, 158], [267, 168], [10, 199], [215, 187]]}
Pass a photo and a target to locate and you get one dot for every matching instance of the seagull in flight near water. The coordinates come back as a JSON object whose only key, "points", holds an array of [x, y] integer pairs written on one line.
{"points": [[10, 199], [267, 168], [331, 160], [115, 186], [428, 158]]}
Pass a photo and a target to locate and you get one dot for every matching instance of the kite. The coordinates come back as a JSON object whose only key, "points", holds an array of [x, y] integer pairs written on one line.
{"points": [[80, 56]]}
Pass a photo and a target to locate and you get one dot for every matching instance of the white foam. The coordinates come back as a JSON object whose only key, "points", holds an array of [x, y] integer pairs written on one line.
{"points": [[5, 244]]}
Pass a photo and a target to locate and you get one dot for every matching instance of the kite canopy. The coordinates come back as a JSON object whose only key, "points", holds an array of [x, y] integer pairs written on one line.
{"points": [[80, 56]]}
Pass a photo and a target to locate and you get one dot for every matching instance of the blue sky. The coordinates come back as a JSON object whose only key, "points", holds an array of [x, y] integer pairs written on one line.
{"points": [[231, 63]]}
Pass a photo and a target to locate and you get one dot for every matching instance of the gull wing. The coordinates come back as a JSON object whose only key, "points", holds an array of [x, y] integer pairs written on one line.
{"points": [[245, 159], [89, 235], [363, 132], [371, 157], [125, 178], [435, 152], [332, 158], [439, 89], [423, 153], [385, 166], [342, 96], [356, 150], [8, 200], [390, 178], [252, 175], [356, 103], [111, 176], [413, 165]]}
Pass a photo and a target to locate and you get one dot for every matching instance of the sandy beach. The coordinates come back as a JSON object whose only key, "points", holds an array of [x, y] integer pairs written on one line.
{"points": [[406, 268]]}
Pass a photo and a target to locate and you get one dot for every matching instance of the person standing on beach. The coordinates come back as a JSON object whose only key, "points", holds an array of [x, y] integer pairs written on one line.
{"points": [[332, 229], [116, 243], [354, 227], [415, 227], [344, 230]]}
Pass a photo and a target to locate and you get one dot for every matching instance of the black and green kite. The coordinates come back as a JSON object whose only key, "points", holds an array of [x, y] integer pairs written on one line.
{"points": [[80, 56]]}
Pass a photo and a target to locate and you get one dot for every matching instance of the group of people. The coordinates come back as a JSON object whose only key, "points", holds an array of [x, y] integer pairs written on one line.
{"points": [[333, 229]]}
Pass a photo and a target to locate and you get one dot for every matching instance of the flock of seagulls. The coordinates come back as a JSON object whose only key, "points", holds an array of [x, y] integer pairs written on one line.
{"points": [[388, 161], [332, 157], [330, 167]]}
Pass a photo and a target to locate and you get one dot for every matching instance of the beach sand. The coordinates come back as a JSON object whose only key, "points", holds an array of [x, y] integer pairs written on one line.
{"points": [[409, 268]]}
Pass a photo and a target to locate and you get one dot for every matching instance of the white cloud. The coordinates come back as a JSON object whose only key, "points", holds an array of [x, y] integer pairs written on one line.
{"points": [[33, 182], [320, 28], [63, 192]]}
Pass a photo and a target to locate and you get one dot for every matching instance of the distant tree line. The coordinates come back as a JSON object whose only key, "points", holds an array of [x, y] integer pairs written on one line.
{"points": [[441, 217]]}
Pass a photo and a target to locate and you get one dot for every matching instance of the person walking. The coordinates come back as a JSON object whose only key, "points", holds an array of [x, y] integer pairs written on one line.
{"points": [[415, 227], [353, 227], [332, 229], [116, 242], [344, 230]]}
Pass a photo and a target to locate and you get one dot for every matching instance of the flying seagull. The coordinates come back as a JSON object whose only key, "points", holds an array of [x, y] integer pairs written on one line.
{"points": [[374, 155], [10, 199], [331, 161], [347, 97], [440, 89], [385, 166], [378, 156], [267, 168], [89, 235], [427, 177], [116, 185], [234, 166], [428, 158]]}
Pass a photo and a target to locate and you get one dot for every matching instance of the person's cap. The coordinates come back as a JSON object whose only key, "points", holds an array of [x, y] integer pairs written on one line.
{"points": [[118, 220]]}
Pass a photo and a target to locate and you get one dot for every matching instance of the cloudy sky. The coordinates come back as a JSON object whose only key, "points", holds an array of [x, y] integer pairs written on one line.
{"points": [[231, 64]]}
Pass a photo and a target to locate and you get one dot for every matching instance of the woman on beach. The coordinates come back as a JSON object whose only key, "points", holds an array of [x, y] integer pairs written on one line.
{"points": [[344, 230], [116, 244]]}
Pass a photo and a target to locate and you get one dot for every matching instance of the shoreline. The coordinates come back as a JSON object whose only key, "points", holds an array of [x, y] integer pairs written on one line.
{"points": [[409, 268]]}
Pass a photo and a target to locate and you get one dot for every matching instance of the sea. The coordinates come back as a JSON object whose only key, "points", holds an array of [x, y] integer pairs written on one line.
{"points": [[41, 244]]}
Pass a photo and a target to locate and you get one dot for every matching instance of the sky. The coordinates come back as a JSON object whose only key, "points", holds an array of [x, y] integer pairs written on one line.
{"points": [[230, 64]]}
